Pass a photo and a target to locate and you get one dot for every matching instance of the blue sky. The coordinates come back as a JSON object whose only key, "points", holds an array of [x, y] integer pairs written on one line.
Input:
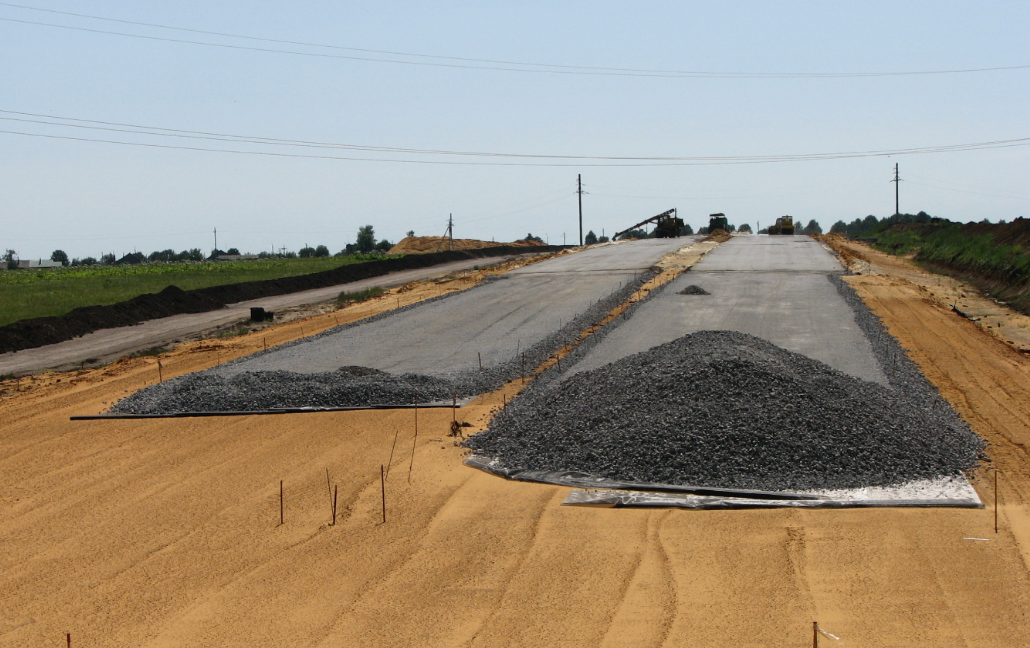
{"points": [[89, 197]]}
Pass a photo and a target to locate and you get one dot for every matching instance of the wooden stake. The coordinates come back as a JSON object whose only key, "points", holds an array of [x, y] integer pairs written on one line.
{"points": [[160, 373], [454, 407], [382, 481], [480, 356], [69, 640], [504, 401], [414, 441], [815, 634], [995, 501], [327, 485], [336, 490], [280, 502], [523, 368], [264, 341], [394, 447]]}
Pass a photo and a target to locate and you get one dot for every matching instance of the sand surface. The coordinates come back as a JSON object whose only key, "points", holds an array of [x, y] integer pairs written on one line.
{"points": [[166, 532]]}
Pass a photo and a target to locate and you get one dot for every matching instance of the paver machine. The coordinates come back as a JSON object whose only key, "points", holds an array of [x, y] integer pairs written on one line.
{"points": [[718, 221]]}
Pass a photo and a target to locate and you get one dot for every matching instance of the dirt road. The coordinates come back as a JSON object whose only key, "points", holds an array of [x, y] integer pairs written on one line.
{"points": [[165, 532]]}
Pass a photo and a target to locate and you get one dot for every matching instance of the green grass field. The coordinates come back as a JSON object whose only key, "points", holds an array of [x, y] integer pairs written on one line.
{"points": [[26, 294]]}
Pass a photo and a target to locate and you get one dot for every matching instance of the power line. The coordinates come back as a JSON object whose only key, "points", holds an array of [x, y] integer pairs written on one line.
{"points": [[642, 162], [572, 160], [465, 62]]}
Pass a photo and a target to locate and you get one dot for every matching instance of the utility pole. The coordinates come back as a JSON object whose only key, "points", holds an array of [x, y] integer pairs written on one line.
{"points": [[450, 231], [579, 190], [216, 238], [897, 183]]}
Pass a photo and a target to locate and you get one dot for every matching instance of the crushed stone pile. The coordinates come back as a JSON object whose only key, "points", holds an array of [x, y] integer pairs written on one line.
{"points": [[694, 290], [347, 387], [726, 409]]}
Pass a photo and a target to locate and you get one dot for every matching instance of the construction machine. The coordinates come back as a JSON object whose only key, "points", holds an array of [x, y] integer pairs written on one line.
{"points": [[666, 225], [784, 225], [718, 221]]}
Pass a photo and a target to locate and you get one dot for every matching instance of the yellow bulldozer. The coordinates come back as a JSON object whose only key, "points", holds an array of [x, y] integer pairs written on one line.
{"points": [[784, 225]]}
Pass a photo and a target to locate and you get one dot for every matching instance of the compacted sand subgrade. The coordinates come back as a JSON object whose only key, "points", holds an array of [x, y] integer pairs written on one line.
{"points": [[165, 532]]}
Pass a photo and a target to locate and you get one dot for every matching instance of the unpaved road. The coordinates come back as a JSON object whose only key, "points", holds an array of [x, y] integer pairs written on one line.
{"points": [[165, 532], [109, 344]]}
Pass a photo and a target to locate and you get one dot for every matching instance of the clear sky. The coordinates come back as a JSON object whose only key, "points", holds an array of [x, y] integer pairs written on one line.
{"points": [[91, 197]]}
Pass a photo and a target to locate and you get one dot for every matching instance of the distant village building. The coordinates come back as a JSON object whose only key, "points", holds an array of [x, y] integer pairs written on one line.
{"points": [[41, 263]]}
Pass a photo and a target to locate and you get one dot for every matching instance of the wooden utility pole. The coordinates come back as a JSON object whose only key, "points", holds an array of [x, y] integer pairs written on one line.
{"points": [[579, 190]]}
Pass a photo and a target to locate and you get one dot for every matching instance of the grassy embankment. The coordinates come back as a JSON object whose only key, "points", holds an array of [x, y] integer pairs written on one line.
{"points": [[26, 294], [994, 258]]}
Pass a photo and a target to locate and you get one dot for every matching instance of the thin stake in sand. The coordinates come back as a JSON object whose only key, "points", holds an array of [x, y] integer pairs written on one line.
{"points": [[995, 501], [160, 373], [392, 448], [336, 490], [280, 502], [413, 441], [480, 356], [382, 482]]}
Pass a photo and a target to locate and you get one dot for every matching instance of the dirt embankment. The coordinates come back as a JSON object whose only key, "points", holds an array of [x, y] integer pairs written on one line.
{"points": [[37, 332], [994, 257], [424, 244]]}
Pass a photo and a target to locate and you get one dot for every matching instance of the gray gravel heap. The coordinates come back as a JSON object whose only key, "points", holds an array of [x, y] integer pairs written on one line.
{"points": [[251, 391], [726, 409], [694, 290]]}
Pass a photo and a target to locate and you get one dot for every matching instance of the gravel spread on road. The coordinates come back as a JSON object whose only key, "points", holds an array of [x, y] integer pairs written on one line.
{"points": [[216, 391], [726, 409]]}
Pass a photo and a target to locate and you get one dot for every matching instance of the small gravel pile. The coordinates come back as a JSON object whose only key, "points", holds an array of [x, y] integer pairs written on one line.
{"points": [[726, 409], [348, 387], [694, 290]]}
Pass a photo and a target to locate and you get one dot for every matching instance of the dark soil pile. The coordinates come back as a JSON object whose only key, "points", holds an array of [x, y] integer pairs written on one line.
{"points": [[40, 331], [725, 409]]}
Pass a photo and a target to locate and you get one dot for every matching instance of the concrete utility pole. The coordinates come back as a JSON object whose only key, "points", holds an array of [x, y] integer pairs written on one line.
{"points": [[897, 183], [579, 190], [216, 238]]}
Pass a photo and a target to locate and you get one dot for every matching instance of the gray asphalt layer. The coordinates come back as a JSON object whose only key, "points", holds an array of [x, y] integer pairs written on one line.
{"points": [[773, 287], [491, 321], [110, 344]]}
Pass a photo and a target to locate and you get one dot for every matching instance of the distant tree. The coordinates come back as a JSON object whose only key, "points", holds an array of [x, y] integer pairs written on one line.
{"points": [[603, 239], [840, 227], [59, 255], [686, 230], [234, 251], [215, 253], [411, 233], [321, 251], [366, 241], [731, 228], [744, 228], [11, 259], [590, 238], [107, 259], [87, 261], [870, 222], [530, 237], [702, 231], [813, 227], [384, 245], [195, 254], [306, 252], [764, 230]]}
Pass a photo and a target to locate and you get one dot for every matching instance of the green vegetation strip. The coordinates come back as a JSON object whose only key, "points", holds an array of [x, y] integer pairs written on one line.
{"points": [[26, 294]]}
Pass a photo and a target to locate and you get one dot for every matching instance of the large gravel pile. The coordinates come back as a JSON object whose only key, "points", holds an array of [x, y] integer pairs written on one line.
{"points": [[725, 409]]}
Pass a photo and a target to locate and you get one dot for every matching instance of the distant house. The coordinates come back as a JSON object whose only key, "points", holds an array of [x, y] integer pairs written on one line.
{"points": [[41, 263]]}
